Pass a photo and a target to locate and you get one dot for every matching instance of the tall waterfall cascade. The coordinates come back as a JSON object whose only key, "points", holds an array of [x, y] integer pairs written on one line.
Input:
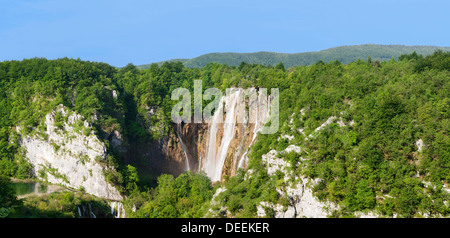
{"points": [[232, 108]]}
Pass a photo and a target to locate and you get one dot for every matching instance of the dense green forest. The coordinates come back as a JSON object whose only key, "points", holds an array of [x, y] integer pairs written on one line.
{"points": [[372, 165], [344, 54]]}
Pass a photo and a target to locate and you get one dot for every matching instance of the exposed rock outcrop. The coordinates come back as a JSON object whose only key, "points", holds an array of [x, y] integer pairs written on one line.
{"points": [[68, 152], [302, 202]]}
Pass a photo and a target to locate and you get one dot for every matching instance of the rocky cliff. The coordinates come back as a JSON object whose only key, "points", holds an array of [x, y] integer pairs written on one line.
{"points": [[302, 202], [65, 150]]}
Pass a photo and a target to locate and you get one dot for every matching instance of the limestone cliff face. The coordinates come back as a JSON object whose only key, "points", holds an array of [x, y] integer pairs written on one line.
{"points": [[68, 152], [193, 135], [297, 189], [302, 202]]}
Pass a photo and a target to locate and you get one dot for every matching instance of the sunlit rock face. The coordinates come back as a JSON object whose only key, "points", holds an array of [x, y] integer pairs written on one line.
{"points": [[302, 202], [69, 153]]}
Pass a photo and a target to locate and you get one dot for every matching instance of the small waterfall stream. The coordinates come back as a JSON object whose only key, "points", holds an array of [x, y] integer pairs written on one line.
{"points": [[183, 146], [84, 212], [261, 112], [117, 209]]}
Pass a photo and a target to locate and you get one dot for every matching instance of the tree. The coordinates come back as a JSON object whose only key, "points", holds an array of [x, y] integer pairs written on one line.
{"points": [[280, 66], [365, 197], [7, 196], [131, 178]]}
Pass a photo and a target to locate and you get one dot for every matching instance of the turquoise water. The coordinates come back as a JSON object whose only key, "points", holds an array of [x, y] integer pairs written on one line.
{"points": [[35, 188]]}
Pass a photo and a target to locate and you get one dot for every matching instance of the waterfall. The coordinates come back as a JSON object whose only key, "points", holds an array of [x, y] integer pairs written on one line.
{"points": [[214, 160], [218, 141], [117, 209], [183, 146], [261, 112], [86, 213]]}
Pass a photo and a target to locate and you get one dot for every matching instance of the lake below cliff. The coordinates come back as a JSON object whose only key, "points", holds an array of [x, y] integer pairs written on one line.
{"points": [[24, 189]]}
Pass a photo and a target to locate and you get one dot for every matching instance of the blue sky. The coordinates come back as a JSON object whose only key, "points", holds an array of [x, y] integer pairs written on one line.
{"points": [[140, 32]]}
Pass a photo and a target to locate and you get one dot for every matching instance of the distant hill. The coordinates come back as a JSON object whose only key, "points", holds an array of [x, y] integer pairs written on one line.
{"points": [[146, 66], [345, 54]]}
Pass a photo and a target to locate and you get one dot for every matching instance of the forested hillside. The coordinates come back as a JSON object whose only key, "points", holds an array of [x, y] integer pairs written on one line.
{"points": [[391, 157], [389, 152], [345, 54], [32, 88]]}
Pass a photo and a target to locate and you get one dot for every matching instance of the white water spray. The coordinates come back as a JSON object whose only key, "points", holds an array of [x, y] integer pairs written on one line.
{"points": [[117, 209], [214, 160]]}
